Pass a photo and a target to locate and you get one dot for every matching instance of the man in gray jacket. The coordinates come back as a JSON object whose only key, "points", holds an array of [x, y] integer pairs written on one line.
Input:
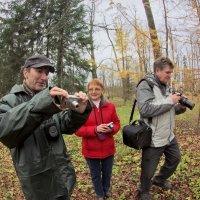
{"points": [[33, 118], [157, 107]]}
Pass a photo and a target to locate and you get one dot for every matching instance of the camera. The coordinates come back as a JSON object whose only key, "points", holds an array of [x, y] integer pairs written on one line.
{"points": [[73, 101], [110, 125], [184, 101]]}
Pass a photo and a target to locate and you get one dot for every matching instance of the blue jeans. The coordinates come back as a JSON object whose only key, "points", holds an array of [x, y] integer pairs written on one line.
{"points": [[101, 172]]}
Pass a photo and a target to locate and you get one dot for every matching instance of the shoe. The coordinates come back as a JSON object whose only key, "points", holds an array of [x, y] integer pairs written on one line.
{"points": [[164, 184], [108, 194], [100, 198], [145, 196]]}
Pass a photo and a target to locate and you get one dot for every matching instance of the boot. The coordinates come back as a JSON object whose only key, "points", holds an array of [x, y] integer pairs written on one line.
{"points": [[163, 184], [108, 194], [145, 196], [100, 198]]}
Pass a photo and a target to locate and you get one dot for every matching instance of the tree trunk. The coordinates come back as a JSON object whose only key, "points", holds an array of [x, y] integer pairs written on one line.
{"points": [[152, 29], [140, 49], [126, 86], [197, 6], [166, 29], [172, 44], [126, 79], [60, 59], [92, 55]]}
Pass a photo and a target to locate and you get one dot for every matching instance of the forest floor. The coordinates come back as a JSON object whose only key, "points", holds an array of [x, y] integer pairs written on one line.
{"points": [[126, 169]]}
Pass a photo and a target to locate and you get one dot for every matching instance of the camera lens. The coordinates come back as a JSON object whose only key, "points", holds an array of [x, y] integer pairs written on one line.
{"points": [[184, 101], [75, 104]]}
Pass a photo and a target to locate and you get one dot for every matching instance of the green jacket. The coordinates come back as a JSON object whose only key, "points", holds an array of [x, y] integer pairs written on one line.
{"points": [[41, 162]]}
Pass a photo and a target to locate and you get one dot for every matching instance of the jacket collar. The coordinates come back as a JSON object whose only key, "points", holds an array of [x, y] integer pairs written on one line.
{"points": [[103, 101], [153, 78], [27, 89]]}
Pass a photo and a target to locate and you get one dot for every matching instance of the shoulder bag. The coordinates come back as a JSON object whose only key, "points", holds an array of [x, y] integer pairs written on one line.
{"points": [[136, 134]]}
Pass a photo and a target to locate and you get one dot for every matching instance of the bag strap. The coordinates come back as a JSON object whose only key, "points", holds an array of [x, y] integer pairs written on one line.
{"points": [[132, 111], [151, 84]]}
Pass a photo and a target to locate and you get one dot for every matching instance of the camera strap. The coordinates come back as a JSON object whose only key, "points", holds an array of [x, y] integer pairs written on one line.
{"points": [[101, 115]]}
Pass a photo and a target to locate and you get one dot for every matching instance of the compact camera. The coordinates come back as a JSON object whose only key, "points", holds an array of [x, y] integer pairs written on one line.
{"points": [[111, 125], [73, 101]]}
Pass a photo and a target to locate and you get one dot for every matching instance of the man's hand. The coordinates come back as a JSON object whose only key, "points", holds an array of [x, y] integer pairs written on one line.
{"points": [[175, 98], [56, 91], [82, 100], [59, 95]]}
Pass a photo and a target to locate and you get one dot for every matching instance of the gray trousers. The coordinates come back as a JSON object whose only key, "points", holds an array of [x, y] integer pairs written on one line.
{"points": [[150, 160]]}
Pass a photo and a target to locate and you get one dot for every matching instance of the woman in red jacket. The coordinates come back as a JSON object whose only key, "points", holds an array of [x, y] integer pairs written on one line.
{"points": [[97, 139]]}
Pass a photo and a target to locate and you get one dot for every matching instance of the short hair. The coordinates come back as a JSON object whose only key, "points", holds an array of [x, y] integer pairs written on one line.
{"points": [[96, 82], [161, 62]]}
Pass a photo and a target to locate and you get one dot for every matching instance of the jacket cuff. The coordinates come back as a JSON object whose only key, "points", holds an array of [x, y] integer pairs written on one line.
{"points": [[43, 103]]}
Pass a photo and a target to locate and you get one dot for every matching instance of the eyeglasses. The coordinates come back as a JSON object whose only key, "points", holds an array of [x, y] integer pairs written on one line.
{"points": [[94, 89]]}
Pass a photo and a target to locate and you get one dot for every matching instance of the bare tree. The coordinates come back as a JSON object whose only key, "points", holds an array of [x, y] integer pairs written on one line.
{"points": [[196, 4], [123, 61], [152, 29], [91, 50], [166, 28]]}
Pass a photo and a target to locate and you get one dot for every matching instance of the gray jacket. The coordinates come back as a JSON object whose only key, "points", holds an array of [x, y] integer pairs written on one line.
{"points": [[157, 109], [28, 127]]}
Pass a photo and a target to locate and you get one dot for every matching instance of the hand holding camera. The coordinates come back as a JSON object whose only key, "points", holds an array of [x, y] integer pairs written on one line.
{"points": [[111, 125], [64, 101], [103, 129], [178, 98]]}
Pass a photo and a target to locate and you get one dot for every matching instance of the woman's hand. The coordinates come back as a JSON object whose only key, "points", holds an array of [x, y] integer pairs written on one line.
{"points": [[104, 128]]}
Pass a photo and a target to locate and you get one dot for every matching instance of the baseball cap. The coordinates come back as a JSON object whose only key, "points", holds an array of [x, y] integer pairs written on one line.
{"points": [[37, 61]]}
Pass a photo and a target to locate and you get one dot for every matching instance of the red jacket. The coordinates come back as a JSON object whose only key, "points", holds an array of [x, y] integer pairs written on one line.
{"points": [[92, 147]]}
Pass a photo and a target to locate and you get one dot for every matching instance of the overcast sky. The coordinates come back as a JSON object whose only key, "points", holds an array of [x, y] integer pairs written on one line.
{"points": [[176, 11]]}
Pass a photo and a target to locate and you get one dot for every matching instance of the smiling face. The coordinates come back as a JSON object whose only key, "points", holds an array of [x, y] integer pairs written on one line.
{"points": [[95, 92], [164, 74], [36, 78]]}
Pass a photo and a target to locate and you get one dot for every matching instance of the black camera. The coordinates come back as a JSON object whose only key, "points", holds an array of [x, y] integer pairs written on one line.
{"points": [[184, 101]]}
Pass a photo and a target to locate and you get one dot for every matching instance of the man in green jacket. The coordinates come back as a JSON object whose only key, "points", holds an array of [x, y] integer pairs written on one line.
{"points": [[33, 118]]}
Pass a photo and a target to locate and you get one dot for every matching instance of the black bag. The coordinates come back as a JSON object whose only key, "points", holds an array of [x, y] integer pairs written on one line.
{"points": [[136, 134]]}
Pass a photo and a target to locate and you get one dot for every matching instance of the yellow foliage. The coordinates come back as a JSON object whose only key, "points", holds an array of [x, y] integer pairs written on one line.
{"points": [[123, 74], [92, 62]]}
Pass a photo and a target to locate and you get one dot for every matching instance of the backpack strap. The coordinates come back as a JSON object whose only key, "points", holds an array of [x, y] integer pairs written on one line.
{"points": [[132, 111], [151, 84]]}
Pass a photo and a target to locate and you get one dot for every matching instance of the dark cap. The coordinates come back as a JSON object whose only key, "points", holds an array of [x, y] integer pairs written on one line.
{"points": [[39, 61]]}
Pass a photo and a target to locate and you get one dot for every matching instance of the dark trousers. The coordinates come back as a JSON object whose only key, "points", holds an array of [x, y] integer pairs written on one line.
{"points": [[150, 159], [101, 172]]}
